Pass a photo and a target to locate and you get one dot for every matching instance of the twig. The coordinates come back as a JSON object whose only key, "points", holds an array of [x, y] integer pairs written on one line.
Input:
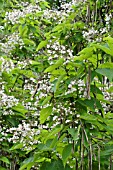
{"points": [[37, 86]]}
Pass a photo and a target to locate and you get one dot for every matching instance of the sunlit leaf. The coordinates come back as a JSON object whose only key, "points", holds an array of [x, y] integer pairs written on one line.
{"points": [[45, 112], [41, 45], [4, 159], [16, 146], [19, 108]]}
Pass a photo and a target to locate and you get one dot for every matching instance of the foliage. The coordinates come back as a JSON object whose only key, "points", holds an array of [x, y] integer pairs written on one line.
{"points": [[56, 85]]}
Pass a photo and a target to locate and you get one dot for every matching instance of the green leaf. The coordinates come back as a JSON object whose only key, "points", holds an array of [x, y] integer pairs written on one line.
{"points": [[106, 72], [27, 163], [107, 152], [27, 73], [54, 165], [60, 61], [84, 54], [104, 48], [54, 142], [67, 167], [16, 146], [46, 100], [88, 103], [66, 153], [59, 28], [108, 39], [28, 41], [45, 112], [54, 132], [23, 30], [4, 159], [33, 63], [106, 65], [1, 168], [38, 159], [88, 117], [60, 71], [110, 90], [19, 108], [43, 147], [47, 21], [73, 133], [41, 45], [58, 82], [51, 68], [56, 65]]}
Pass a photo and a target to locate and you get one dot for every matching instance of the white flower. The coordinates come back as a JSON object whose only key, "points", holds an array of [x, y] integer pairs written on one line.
{"points": [[70, 86]]}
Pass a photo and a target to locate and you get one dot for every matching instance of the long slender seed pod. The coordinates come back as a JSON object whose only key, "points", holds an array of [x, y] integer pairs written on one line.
{"points": [[98, 158], [90, 157], [76, 164], [111, 162], [88, 82], [82, 151]]}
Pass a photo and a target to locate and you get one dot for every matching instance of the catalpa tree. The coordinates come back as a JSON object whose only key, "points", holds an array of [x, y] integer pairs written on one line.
{"points": [[56, 85]]}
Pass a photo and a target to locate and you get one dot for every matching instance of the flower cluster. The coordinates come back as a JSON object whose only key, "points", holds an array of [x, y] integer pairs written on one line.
{"points": [[56, 51], [25, 133], [16, 14], [7, 102], [6, 64], [90, 35], [11, 42], [55, 15], [32, 89]]}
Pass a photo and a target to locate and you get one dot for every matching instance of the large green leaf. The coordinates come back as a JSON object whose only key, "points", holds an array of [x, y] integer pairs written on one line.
{"points": [[45, 112], [4, 159], [16, 146], [43, 147], [54, 165], [27, 163], [108, 72], [107, 152], [66, 153], [109, 41], [88, 117], [104, 48], [84, 54], [1, 168], [106, 65], [74, 133], [19, 108]]}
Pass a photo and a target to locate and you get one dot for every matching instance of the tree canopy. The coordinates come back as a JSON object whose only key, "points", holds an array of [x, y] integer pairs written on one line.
{"points": [[56, 90]]}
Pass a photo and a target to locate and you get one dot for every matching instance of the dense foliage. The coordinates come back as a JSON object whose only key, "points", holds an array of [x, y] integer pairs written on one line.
{"points": [[56, 88]]}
